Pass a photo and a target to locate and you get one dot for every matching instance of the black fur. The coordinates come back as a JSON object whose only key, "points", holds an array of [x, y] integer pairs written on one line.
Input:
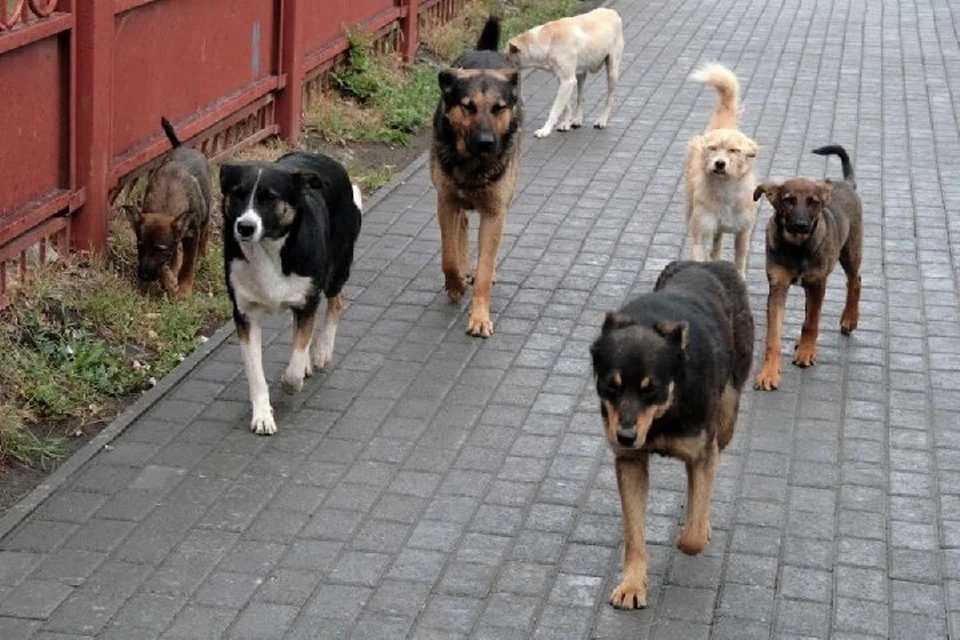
{"points": [[695, 330], [171, 133], [836, 150], [325, 226]]}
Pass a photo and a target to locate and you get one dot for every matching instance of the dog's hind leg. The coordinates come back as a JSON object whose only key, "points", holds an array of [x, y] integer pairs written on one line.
{"points": [[613, 77], [299, 367], [450, 218], [633, 477], [850, 261], [701, 473], [577, 120], [560, 103], [717, 246], [248, 332], [323, 354], [727, 422]]}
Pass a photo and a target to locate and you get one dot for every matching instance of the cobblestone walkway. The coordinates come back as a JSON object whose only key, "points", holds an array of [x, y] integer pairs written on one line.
{"points": [[437, 486]]}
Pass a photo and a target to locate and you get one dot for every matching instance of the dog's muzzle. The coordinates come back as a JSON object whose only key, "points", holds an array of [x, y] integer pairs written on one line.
{"points": [[627, 436], [485, 142], [720, 167], [799, 227], [248, 228]]}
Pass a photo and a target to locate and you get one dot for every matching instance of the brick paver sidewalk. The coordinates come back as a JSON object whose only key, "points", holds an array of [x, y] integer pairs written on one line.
{"points": [[435, 485]]}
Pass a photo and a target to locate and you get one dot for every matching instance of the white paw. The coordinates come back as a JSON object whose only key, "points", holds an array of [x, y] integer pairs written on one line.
{"points": [[322, 358], [290, 382], [576, 123], [563, 126], [262, 423], [600, 124], [542, 132]]}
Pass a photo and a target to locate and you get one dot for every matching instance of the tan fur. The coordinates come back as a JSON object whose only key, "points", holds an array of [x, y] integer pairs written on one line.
{"points": [[570, 48], [720, 175]]}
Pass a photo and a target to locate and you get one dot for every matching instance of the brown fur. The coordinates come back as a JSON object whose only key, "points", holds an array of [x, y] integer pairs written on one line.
{"points": [[173, 223], [835, 212], [669, 368], [719, 200], [474, 160]]}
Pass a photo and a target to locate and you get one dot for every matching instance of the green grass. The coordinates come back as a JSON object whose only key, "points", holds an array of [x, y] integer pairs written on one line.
{"points": [[19, 444]]}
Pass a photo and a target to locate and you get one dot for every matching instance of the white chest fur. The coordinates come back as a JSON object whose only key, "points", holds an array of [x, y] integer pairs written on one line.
{"points": [[259, 282]]}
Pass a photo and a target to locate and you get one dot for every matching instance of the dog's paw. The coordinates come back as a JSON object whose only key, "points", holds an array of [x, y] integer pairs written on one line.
{"points": [[480, 325], [600, 124], [323, 357], [692, 541], [577, 122], [455, 287], [630, 594], [805, 356], [291, 383], [563, 126], [262, 423], [848, 324], [768, 379], [542, 132]]}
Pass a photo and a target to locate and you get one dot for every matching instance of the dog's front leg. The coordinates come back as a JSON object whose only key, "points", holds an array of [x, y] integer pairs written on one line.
{"points": [[450, 218], [299, 367], [561, 102], [248, 332], [324, 349], [701, 473], [769, 376], [806, 354], [491, 235], [188, 269], [633, 474]]}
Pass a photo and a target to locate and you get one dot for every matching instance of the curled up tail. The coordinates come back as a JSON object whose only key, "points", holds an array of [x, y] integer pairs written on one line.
{"points": [[728, 94], [171, 134], [836, 150], [490, 36]]}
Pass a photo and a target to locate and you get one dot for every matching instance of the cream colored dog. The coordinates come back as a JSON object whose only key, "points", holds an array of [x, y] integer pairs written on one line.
{"points": [[719, 174], [570, 48]]}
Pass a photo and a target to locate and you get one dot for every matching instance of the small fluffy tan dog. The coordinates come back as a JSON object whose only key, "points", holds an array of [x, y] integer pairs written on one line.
{"points": [[719, 174], [570, 48]]}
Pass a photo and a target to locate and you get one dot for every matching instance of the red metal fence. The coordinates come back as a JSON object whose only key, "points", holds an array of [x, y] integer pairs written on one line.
{"points": [[86, 81]]}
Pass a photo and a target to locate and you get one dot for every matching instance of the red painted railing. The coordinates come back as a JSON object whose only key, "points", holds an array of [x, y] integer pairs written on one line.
{"points": [[86, 82]]}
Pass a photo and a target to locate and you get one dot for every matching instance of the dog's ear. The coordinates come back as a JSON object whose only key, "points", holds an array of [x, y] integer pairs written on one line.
{"points": [[448, 84], [133, 214], [512, 48], [750, 149], [826, 191], [230, 176], [676, 333], [772, 191], [179, 224], [615, 320], [307, 180]]}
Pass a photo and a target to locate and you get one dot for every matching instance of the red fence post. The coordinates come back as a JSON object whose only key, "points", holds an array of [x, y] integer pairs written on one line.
{"points": [[94, 118], [409, 28], [290, 100]]}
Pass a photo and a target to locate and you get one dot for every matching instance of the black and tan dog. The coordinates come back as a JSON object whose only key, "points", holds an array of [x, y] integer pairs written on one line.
{"points": [[173, 223], [815, 224], [669, 370], [474, 158]]}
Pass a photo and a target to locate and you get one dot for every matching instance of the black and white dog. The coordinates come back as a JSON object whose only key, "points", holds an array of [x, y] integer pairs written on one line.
{"points": [[289, 229]]}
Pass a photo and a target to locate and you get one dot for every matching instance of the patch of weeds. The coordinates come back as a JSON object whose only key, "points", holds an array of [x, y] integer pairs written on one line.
{"points": [[370, 177], [379, 99], [19, 444]]}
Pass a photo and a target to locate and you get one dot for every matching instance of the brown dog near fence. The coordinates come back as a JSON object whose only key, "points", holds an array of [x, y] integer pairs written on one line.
{"points": [[474, 158], [173, 223], [815, 225]]}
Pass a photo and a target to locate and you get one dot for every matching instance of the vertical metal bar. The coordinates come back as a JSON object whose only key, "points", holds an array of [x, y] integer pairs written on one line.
{"points": [[290, 100], [409, 29], [95, 34]]}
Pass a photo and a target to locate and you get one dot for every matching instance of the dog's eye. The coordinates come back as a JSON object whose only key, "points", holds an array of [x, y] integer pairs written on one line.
{"points": [[712, 148], [813, 202], [470, 107], [268, 195], [734, 150], [497, 108], [610, 388]]}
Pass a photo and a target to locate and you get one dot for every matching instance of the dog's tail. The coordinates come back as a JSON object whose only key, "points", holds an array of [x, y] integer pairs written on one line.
{"points": [[357, 197], [171, 134], [836, 150], [490, 36], [728, 94]]}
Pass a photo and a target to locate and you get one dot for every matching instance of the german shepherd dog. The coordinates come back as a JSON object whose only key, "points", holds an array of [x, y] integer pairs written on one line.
{"points": [[669, 368], [173, 223], [815, 225], [289, 229], [474, 158]]}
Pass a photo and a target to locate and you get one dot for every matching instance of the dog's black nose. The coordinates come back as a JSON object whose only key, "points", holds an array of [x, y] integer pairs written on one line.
{"points": [[245, 228], [626, 437], [800, 226], [720, 165], [486, 141]]}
